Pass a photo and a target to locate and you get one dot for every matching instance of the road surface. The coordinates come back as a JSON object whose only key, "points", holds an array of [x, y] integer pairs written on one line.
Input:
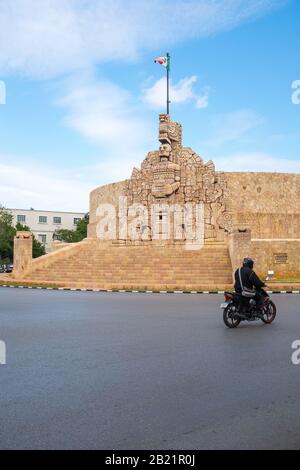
{"points": [[89, 370]]}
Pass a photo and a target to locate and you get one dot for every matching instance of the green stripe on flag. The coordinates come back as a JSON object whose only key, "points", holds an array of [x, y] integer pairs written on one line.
{"points": [[168, 61]]}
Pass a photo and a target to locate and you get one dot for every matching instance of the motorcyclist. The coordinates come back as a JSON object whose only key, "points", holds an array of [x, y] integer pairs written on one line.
{"points": [[249, 280]]}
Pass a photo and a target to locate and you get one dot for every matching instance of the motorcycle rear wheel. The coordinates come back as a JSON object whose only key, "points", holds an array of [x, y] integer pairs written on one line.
{"points": [[230, 318], [269, 312]]}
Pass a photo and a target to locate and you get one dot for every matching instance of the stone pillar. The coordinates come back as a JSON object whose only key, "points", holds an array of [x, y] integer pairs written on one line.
{"points": [[22, 253], [239, 244]]}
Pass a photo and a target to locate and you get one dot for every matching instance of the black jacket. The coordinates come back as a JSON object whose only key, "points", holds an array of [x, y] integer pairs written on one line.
{"points": [[249, 279]]}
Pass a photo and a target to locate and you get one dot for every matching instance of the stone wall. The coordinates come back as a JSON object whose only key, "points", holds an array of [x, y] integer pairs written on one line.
{"points": [[280, 256], [254, 214], [265, 206], [108, 194], [269, 203], [239, 245]]}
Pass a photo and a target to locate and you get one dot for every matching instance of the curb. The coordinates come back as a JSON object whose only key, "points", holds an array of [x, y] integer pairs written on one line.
{"points": [[138, 291]]}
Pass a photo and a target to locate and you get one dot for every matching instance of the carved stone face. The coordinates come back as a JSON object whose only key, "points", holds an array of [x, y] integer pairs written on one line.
{"points": [[165, 152], [164, 118]]}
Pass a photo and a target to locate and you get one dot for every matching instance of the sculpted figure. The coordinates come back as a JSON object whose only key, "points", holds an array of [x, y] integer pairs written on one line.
{"points": [[180, 176], [166, 174], [170, 132]]}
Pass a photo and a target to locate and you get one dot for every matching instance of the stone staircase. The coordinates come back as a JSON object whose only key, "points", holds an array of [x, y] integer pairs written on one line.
{"points": [[96, 264]]}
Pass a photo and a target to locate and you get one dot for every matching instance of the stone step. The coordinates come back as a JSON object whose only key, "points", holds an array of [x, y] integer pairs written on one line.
{"points": [[92, 263]]}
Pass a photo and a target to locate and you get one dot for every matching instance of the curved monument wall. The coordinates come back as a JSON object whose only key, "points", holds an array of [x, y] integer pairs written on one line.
{"points": [[108, 194], [253, 213], [268, 202]]}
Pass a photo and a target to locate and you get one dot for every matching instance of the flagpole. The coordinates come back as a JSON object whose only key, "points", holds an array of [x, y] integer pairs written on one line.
{"points": [[168, 87]]}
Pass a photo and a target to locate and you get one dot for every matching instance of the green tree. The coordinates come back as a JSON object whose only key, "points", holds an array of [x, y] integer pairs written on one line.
{"points": [[7, 233], [38, 249], [73, 236], [81, 228], [65, 235]]}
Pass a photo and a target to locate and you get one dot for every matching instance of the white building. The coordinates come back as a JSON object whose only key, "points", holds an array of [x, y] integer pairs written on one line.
{"points": [[44, 223]]}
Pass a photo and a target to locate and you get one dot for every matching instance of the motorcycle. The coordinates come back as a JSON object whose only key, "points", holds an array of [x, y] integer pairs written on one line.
{"points": [[238, 308]]}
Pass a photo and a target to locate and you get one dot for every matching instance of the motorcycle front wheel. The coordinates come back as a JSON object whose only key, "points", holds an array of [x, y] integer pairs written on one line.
{"points": [[269, 312], [230, 318]]}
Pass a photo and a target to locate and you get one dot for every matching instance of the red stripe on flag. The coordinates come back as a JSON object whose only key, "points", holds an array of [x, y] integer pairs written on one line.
{"points": [[160, 60]]}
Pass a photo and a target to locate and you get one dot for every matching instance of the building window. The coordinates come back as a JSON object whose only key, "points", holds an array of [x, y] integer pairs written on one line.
{"points": [[76, 220], [21, 218], [42, 219], [42, 238], [57, 220]]}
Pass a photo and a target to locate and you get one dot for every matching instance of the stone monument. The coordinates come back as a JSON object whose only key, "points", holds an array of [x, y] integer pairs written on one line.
{"points": [[243, 214]]}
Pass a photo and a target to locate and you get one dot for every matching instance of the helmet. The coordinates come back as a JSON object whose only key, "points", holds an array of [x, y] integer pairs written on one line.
{"points": [[248, 263]]}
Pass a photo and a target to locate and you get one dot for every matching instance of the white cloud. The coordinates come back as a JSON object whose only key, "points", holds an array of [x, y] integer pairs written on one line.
{"points": [[109, 117], [44, 187], [49, 38], [55, 38], [256, 161], [103, 112], [230, 127], [181, 92], [114, 168], [41, 187], [202, 101], [155, 96]]}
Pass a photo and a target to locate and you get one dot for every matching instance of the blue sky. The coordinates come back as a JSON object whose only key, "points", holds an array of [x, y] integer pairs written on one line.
{"points": [[83, 93]]}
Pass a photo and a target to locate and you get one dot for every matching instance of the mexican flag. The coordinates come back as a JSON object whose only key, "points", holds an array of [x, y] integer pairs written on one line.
{"points": [[165, 61]]}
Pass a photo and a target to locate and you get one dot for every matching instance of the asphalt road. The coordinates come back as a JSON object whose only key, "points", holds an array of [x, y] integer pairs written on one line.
{"points": [[119, 371]]}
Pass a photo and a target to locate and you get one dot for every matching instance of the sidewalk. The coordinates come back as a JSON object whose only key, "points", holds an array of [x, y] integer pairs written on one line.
{"points": [[288, 286]]}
